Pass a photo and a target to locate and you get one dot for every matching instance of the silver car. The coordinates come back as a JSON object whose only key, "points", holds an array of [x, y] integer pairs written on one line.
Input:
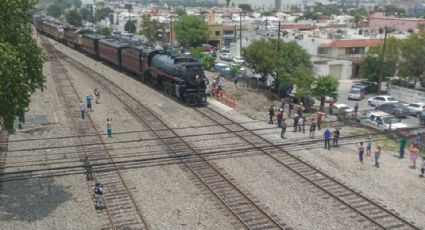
{"points": [[356, 94], [416, 108]]}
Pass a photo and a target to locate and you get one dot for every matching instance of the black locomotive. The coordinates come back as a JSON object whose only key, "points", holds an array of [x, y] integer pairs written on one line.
{"points": [[178, 75]]}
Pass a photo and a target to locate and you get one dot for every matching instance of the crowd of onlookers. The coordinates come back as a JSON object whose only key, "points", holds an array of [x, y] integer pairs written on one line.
{"points": [[300, 123]]}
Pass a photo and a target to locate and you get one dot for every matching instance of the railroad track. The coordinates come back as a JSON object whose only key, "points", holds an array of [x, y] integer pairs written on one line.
{"points": [[243, 207], [121, 209], [365, 208]]}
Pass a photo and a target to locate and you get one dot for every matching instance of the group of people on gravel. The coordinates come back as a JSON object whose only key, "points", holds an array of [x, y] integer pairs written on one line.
{"points": [[414, 151], [301, 123], [87, 106]]}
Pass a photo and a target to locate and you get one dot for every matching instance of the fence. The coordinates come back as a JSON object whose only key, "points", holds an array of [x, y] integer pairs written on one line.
{"points": [[405, 94], [226, 99]]}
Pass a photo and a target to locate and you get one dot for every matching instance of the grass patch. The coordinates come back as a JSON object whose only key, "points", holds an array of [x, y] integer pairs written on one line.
{"points": [[239, 94], [388, 144]]}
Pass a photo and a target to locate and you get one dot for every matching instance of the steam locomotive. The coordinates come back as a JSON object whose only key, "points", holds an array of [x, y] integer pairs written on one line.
{"points": [[177, 75]]}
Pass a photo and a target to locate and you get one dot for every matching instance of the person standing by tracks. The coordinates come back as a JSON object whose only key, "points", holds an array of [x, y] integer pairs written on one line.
{"points": [[300, 123], [403, 144], [327, 135], [319, 120], [97, 95], [109, 127], [89, 99], [377, 155], [283, 131], [360, 147], [422, 166], [414, 153], [369, 146], [82, 109], [335, 137], [98, 194], [280, 118], [312, 128], [271, 114]]}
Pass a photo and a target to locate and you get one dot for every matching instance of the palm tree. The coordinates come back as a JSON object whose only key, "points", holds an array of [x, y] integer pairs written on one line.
{"points": [[129, 8], [227, 3], [325, 86]]}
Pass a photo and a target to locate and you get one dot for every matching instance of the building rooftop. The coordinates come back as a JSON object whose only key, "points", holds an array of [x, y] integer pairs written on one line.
{"points": [[353, 43]]}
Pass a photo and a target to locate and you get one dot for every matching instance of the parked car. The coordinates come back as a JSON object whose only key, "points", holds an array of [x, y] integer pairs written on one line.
{"points": [[225, 50], [422, 118], [356, 94], [226, 56], [379, 100], [336, 108], [416, 108], [238, 60], [396, 109], [369, 87], [384, 120]]}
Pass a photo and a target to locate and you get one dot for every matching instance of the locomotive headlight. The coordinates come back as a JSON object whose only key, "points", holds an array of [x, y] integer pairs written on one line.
{"points": [[196, 76]]}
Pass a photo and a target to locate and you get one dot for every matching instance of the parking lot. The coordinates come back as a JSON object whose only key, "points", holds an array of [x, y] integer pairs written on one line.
{"points": [[343, 90]]}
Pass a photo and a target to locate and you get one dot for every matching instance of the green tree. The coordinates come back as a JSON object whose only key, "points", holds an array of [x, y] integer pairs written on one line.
{"points": [[150, 29], [102, 13], [73, 18], [294, 9], [55, 10], [191, 30], [412, 61], [262, 56], [105, 31], [206, 60], [180, 12], [130, 26], [21, 61], [245, 7], [357, 18], [370, 66], [325, 86], [86, 14], [360, 11], [394, 10]]}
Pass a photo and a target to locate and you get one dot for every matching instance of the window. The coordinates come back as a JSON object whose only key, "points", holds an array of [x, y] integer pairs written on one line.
{"points": [[228, 32], [354, 50], [414, 105], [379, 99], [217, 33], [322, 50]]}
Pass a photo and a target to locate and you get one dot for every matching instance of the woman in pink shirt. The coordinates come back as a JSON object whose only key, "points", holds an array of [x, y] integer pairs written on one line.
{"points": [[414, 153]]}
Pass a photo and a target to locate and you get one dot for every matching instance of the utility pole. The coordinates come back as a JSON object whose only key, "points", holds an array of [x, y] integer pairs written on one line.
{"points": [[240, 33], [278, 38], [381, 64]]}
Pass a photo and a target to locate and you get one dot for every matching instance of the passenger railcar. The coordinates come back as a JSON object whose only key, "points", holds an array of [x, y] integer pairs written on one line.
{"points": [[132, 60], [91, 43], [110, 51]]}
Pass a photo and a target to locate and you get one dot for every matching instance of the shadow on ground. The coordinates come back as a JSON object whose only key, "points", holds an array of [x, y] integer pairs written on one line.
{"points": [[31, 200]]}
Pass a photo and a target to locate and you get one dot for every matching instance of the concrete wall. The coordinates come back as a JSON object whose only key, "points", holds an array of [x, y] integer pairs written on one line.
{"points": [[405, 94], [398, 23]]}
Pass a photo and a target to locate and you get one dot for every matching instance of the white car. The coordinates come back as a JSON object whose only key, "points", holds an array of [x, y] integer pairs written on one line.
{"points": [[379, 100], [416, 108], [338, 107], [238, 60], [383, 121], [226, 56]]}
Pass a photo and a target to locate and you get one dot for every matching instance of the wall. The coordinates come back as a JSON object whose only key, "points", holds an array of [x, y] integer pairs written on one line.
{"points": [[399, 24], [405, 94]]}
